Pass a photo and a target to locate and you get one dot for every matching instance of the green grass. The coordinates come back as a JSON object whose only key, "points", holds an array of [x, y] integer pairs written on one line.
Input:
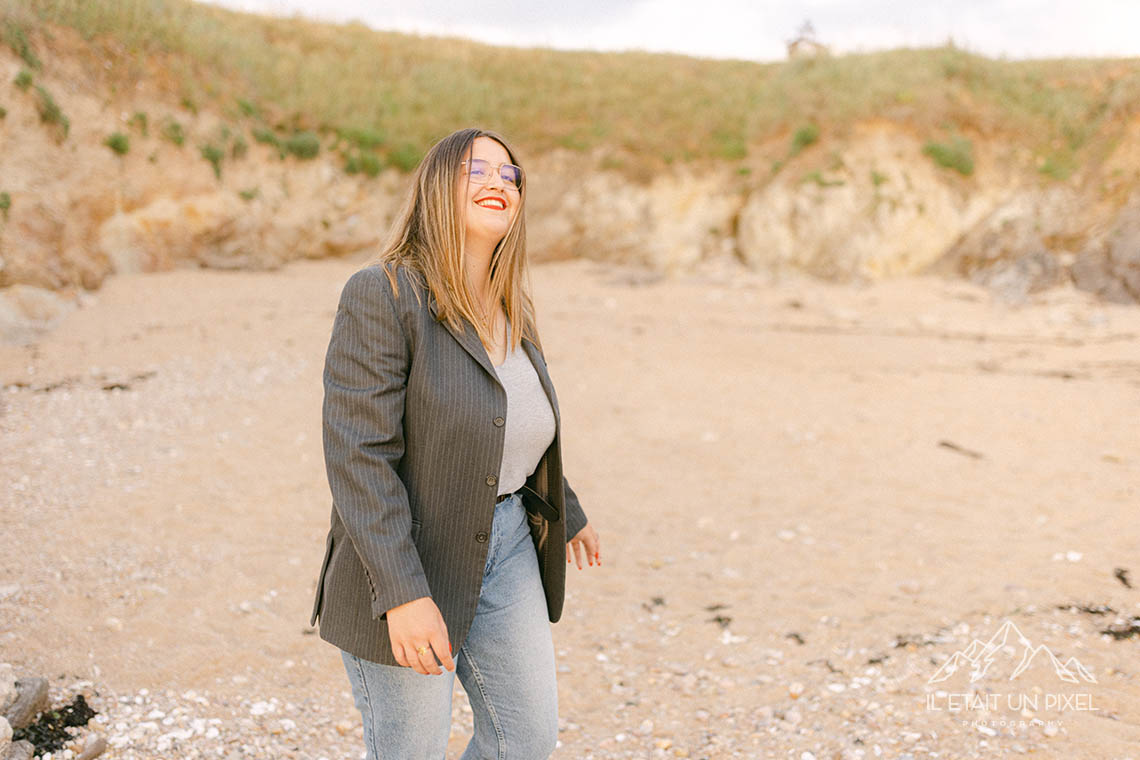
{"points": [[369, 164], [731, 144], [956, 154], [172, 131], [1058, 165], [23, 79], [5, 204], [816, 177], [139, 121], [50, 112], [303, 145], [804, 136], [3, 112], [365, 163], [247, 108], [215, 154], [405, 156], [266, 136], [365, 139], [118, 142], [642, 109], [12, 34]]}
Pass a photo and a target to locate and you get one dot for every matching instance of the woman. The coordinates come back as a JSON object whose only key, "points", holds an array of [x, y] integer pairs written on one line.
{"points": [[450, 512]]}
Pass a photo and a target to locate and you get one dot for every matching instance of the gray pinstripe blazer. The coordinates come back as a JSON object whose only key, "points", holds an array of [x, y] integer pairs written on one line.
{"points": [[413, 437]]}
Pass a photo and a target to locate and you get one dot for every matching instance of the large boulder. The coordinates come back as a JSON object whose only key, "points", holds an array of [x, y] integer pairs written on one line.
{"points": [[220, 230], [26, 312], [1019, 248], [671, 221], [880, 209], [1111, 267]]}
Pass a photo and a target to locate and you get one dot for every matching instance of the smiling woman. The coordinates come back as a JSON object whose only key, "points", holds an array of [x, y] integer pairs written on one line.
{"points": [[450, 523], [491, 199]]}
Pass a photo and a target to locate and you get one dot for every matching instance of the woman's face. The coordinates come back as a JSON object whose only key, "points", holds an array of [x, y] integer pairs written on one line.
{"points": [[488, 209]]}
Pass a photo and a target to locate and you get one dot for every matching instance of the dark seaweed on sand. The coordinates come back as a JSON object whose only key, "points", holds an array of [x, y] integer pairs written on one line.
{"points": [[49, 733]]}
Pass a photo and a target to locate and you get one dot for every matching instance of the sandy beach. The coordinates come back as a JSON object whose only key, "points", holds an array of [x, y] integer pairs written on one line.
{"points": [[810, 497]]}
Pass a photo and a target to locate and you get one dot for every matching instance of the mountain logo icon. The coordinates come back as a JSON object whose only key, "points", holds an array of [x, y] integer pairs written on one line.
{"points": [[979, 656]]}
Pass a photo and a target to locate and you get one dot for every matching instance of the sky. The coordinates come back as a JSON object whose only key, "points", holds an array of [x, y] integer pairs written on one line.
{"points": [[751, 29]]}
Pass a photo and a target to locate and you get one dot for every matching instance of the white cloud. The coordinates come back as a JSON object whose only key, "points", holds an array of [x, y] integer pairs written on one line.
{"points": [[752, 28]]}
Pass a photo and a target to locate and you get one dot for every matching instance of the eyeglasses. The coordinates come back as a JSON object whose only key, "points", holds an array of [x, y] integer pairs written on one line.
{"points": [[480, 171]]}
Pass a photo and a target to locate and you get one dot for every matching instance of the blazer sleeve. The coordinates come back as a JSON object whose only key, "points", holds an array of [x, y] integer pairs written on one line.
{"points": [[575, 517], [365, 381]]}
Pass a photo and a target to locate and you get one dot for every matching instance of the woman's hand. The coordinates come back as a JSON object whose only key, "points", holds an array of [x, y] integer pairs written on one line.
{"points": [[586, 542], [417, 630]]}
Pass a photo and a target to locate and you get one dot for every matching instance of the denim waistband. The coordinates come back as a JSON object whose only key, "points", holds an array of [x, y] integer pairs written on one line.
{"points": [[503, 497]]}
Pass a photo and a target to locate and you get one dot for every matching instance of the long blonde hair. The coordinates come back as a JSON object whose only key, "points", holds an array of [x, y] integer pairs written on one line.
{"points": [[427, 238]]}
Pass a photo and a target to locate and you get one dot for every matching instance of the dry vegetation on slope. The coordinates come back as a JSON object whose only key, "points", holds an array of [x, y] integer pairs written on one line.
{"points": [[407, 91], [144, 135]]}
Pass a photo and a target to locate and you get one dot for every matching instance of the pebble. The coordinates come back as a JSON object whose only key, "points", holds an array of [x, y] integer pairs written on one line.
{"points": [[32, 697], [727, 637], [910, 586], [21, 750], [261, 708], [7, 686]]}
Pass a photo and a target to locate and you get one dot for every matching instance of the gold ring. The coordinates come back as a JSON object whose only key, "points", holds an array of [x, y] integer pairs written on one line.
{"points": [[422, 651]]}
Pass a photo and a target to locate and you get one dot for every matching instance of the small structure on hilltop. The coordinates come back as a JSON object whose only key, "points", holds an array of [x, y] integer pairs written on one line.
{"points": [[805, 45]]}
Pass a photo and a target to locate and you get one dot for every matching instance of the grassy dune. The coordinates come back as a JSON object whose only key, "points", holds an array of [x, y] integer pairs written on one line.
{"points": [[635, 111]]}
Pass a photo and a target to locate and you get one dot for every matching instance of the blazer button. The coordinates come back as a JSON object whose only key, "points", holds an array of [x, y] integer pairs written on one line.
{"points": [[499, 422], [481, 537], [492, 480]]}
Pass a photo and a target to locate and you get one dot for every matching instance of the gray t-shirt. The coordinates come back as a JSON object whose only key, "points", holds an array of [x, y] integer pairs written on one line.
{"points": [[530, 420]]}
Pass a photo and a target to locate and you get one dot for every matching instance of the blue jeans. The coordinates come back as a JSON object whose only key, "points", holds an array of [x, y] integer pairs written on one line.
{"points": [[506, 666]]}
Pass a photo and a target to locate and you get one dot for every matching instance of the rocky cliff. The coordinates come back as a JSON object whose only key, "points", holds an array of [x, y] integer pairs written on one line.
{"points": [[865, 201]]}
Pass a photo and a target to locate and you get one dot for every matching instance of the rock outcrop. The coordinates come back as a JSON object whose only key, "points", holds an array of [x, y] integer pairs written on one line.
{"points": [[864, 204]]}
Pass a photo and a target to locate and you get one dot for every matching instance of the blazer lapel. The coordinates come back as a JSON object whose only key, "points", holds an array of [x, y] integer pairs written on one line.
{"points": [[468, 339], [471, 343]]}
